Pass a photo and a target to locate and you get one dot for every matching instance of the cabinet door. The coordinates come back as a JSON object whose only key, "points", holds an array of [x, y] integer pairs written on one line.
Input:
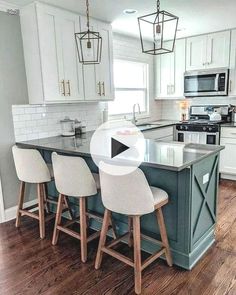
{"points": [[163, 75], [106, 66], [232, 82], [228, 159], [51, 55], [92, 89], [196, 53], [179, 68], [73, 70], [218, 50], [170, 70]]}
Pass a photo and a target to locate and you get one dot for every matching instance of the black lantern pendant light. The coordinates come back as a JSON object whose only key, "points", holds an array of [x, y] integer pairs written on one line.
{"points": [[89, 44], [157, 28]]}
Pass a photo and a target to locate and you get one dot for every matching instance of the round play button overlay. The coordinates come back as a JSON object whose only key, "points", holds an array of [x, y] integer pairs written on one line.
{"points": [[119, 144]]}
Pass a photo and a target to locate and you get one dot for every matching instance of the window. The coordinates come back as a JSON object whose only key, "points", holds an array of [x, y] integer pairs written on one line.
{"points": [[131, 86]]}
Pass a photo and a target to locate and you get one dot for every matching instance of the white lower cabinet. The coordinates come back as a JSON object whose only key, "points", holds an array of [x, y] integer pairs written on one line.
{"points": [[54, 73], [228, 155]]}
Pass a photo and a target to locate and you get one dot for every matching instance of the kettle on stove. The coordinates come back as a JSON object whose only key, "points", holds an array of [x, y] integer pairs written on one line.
{"points": [[215, 116]]}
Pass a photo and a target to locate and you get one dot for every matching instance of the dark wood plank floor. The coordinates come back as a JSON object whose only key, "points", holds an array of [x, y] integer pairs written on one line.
{"points": [[29, 266]]}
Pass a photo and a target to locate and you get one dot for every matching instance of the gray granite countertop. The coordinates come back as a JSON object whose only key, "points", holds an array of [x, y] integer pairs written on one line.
{"points": [[155, 124], [231, 124], [173, 156]]}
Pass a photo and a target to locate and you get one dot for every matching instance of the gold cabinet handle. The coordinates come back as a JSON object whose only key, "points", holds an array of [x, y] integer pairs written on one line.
{"points": [[63, 91], [68, 86], [103, 87], [99, 89]]}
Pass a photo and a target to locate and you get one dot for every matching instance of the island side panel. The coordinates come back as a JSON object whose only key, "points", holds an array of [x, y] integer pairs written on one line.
{"points": [[205, 182]]}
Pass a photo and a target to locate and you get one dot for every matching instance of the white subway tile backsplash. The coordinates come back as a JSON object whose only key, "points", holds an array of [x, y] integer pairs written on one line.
{"points": [[33, 122]]}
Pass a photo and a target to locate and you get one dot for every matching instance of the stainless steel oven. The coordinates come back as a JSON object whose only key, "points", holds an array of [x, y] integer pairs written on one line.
{"points": [[201, 137], [212, 82]]}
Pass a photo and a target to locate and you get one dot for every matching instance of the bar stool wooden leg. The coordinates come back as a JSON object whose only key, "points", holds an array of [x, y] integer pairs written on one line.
{"points": [[66, 201], [58, 219], [45, 198], [164, 238], [40, 191], [21, 202], [130, 229], [137, 255], [102, 241], [83, 229]]}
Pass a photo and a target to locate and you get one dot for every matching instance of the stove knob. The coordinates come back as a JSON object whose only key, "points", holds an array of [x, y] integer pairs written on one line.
{"points": [[186, 127], [181, 127], [204, 128], [210, 128]]}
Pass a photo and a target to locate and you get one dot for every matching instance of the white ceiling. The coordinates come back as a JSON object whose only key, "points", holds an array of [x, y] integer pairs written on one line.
{"points": [[196, 16]]}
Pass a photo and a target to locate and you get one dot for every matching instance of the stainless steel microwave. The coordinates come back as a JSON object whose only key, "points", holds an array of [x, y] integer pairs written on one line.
{"points": [[214, 82]]}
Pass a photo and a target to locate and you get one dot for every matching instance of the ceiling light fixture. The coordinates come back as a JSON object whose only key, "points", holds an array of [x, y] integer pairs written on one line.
{"points": [[130, 11], [159, 27], [89, 44]]}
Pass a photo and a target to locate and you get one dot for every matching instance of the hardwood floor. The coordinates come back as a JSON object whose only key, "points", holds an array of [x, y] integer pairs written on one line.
{"points": [[29, 266]]}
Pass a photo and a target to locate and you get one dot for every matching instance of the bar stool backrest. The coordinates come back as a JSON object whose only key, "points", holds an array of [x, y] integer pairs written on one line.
{"points": [[128, 194], [30, 165], [73, 176]]}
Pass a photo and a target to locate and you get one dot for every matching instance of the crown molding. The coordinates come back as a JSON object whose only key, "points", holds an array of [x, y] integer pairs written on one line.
{"points": [[5, 6]]}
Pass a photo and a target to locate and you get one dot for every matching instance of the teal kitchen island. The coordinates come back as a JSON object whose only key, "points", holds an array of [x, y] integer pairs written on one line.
{"points": [[187, 172]]}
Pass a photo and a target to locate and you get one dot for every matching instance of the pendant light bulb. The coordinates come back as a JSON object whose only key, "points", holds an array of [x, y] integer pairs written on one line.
{"points": [[158, 35]]}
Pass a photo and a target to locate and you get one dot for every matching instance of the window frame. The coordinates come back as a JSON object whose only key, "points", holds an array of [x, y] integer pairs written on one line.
{"points": [[146, 90]]}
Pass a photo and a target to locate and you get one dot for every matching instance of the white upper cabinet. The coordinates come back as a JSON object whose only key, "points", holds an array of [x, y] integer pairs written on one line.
{"points": [[98, 79], [208, 51], [54, 73], [169, 72], [232, 82], [196, 53], [106, 66]]}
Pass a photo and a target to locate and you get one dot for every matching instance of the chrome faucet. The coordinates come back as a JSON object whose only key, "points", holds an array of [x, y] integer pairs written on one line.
{"points": [[134, 120]]}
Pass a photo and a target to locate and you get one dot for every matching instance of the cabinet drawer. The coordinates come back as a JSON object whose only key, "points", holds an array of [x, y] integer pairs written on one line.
{"points": [[228, 132], [158, 133]]}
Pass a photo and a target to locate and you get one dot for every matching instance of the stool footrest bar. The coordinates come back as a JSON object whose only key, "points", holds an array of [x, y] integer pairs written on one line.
{"points": [[118, 256]]}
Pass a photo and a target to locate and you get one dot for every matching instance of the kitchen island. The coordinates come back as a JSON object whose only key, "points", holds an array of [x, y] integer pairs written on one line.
{"points": [[187, 172]]}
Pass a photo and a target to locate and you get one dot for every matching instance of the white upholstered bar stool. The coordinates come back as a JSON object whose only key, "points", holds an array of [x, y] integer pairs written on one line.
{"points": [[132, 196], [31, 168], [73, 178]]}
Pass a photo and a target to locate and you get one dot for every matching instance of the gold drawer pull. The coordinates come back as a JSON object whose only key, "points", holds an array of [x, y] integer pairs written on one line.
{"points": [[103, 86], [63, 91], [68, 86], [99, 89]]}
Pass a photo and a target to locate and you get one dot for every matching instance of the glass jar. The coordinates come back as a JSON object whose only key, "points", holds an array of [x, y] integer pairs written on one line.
{"points": [[67, 127]]}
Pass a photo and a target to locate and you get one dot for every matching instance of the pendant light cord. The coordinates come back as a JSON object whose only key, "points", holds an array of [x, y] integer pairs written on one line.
{"points": [[87, 13], [158, 5]]}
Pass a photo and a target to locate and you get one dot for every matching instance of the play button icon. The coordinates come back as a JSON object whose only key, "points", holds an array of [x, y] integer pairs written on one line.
{"points": [[117, 147], [120, 144]]}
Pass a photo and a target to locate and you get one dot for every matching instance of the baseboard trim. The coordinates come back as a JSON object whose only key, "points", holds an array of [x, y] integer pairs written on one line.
{"points": [[10, 213], [228, 176]]}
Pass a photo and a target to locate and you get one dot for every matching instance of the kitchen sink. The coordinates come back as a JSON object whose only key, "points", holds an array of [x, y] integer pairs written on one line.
{"points": [[148, 125]]}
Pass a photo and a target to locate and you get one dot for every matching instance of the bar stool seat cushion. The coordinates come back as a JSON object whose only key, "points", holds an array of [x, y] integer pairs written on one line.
{"points": [[158, 195], [97, 180], [30, 166]]}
